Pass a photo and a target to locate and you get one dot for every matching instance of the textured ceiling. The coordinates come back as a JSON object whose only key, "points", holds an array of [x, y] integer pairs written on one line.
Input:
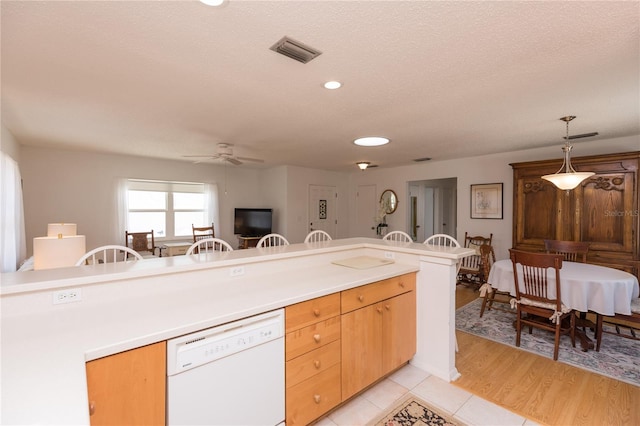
{"points": [[440, 79]]}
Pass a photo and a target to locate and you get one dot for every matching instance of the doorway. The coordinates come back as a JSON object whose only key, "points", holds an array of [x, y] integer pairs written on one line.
{"points": [[432, 208], [322, 209]]}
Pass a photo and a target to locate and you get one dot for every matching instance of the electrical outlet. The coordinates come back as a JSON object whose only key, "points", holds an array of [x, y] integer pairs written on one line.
{"points": [[67, 296], [236, 271], [388, 255]]}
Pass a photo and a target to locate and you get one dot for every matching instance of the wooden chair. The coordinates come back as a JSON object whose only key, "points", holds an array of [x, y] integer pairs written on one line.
{"points": [[487, 292], [573, 251], [272, 240], [398, 236], [203, 232], [141, 242], [535, 296], [471, 270], [633, 318], [316, 236], [207, 245], [108, 254]]}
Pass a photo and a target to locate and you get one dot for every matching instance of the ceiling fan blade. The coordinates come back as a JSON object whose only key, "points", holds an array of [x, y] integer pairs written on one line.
{"points": [[233, 161], [255, 160]]}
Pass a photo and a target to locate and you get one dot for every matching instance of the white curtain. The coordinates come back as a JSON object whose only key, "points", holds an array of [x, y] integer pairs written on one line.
{"points": [[211, 200], [13, 242], [121, 213]]}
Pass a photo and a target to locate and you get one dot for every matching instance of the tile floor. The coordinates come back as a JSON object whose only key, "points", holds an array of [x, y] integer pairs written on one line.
{"points": [[462, 405]]}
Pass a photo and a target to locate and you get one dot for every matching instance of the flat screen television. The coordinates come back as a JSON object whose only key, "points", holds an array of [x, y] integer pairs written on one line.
{"points": [[252, 222]]}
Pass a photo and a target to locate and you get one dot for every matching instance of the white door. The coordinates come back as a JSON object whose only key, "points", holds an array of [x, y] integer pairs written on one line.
{"points": [[366, 210], [322, 209]]}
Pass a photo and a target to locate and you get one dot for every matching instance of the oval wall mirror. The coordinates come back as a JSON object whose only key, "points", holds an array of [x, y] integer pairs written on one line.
{"points": [[389, 201]]}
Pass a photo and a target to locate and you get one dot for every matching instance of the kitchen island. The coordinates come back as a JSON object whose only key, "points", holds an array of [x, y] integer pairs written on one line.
{"points": [[125, 306]]}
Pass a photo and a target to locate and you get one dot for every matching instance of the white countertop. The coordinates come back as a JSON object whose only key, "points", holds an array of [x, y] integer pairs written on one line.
{"points": [[124, 306]]}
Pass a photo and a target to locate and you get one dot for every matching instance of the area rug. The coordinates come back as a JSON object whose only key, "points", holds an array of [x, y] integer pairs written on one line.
{"points": [[413, 411], [618, 357]]}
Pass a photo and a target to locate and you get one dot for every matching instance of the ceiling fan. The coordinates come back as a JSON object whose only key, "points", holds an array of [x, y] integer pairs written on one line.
{"points": [[224, 153]]}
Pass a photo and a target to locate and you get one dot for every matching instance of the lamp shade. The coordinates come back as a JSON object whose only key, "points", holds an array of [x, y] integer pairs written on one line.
{"points": [[66, 229], [567, 181], [57, 252]]}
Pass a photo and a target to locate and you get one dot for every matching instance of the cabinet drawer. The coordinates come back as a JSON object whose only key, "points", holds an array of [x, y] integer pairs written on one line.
{"points": [[309, 312], [313, 397], [312, 337], [312, 363], [365, 295]]}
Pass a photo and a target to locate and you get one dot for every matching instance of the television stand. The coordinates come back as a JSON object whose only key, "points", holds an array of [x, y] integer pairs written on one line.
{"points": [[247, 242]]}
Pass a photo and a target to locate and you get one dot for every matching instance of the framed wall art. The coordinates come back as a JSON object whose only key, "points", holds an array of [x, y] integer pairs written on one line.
{"points": [[486, 201]]}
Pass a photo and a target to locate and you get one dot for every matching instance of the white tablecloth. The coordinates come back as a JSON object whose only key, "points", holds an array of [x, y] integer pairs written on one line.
{"points": [[584, 287]]}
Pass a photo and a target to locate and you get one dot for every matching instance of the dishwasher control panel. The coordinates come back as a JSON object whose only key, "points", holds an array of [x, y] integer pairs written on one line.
{"points": [[193, 350]]}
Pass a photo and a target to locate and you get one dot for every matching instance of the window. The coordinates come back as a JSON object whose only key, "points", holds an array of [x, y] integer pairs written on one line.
{"points": [[169, 208]]}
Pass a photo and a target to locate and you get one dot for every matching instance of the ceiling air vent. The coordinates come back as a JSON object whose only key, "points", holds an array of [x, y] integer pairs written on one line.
{"points": [[295, 50]]}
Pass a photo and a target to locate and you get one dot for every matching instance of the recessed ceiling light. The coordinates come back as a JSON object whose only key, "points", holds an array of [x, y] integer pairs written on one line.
{"points": [[363, 165], [213, 2], [331, 85], [371, 141]]}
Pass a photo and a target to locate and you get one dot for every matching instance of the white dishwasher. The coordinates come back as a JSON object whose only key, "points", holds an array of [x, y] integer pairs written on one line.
{"points": [[232, 374]]}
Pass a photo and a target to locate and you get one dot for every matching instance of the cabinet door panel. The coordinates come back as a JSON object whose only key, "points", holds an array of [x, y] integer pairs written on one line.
{"points": [[399, 331], [361, 344], [129, 388], [538, 211], [607, 210]]}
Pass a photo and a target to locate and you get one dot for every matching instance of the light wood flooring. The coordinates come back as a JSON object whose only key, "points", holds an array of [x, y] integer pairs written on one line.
{"points": [[536, 387]]}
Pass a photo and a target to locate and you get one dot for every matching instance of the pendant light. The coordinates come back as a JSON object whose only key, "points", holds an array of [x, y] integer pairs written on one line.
{"points": [[567, 178]]}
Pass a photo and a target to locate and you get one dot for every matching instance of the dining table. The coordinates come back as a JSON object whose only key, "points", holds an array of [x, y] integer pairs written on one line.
{"points": [[584, 287]]}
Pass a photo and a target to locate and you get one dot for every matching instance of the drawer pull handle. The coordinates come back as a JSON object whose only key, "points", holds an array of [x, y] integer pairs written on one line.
{"points": [[316, 363], [379, 309], [387, 307], [316, 398], [361, 298], [316, 312], [401, 284], [316, 337], [92, 408]]}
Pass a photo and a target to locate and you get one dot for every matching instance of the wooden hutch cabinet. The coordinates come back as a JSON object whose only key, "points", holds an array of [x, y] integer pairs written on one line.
{"points": [[603, 210]]}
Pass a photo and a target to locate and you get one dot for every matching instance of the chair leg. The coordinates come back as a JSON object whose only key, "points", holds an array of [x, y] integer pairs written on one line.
{"points": [[556, 345], [518, 329], [484, 302], [598, 331], [573, 330]]}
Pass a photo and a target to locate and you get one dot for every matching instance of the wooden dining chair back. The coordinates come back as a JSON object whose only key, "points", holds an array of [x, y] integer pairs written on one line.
{"points": [[200, 233], [573, 251], [272, 240], [108, 254], [398, 236], [489, 294], [142, 242], [539, 297], [316, 236], [471, 270], [208, 245]]}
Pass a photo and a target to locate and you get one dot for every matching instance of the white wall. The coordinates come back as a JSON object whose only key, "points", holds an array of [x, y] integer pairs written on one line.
{"points": [[9, 145], [485, 169], [80, 187]]}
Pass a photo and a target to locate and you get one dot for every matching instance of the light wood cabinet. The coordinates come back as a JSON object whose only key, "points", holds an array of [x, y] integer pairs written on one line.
{"points": [[378, 331], [129, 387], [603, 210], [312, 353]]}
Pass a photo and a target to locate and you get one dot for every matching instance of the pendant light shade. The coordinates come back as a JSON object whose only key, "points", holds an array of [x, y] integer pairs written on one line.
{"points": [[567, 178]]}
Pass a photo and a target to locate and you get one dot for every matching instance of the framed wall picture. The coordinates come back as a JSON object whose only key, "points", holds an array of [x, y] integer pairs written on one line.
{"points": [[486, 201]]}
